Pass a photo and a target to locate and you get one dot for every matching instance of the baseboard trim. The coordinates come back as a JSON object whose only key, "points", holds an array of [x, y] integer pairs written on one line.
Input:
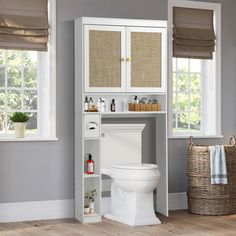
{"points": [[56, 209], [177, 201], [37, 210]]}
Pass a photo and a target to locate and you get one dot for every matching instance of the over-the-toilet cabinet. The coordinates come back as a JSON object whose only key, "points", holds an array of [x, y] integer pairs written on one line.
{"points": [[124, 58], [117, 59]]}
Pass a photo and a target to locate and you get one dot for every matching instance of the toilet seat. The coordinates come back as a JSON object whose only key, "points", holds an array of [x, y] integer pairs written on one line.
{"points": [[136, 166], [137, 172]]}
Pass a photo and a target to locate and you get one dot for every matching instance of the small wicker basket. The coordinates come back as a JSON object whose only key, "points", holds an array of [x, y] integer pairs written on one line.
{"points": [[205, 198], [144, 107]]}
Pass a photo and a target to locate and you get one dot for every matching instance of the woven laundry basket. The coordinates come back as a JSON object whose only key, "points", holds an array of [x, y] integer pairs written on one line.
{"points": [[205, 198]]}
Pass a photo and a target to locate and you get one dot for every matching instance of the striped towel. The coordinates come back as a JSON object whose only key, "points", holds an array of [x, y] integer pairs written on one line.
{"points": [[218, 165]]}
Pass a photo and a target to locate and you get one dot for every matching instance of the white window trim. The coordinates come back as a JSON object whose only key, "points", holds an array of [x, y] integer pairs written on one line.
{"points": [[47, 133], [52, 72], [216, 7]]}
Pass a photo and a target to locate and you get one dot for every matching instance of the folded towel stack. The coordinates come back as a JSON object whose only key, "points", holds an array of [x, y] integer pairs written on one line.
{"points": [[218, 165]]}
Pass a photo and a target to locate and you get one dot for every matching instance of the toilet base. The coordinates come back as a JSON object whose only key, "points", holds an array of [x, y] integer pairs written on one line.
{"points": [[139, 222], [131, 208]]}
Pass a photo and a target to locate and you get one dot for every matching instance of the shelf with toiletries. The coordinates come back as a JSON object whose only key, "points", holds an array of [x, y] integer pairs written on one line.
{"points": [[91, 158], [123, 103]]}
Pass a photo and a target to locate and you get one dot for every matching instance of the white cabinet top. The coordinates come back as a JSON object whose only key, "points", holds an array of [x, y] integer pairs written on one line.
{"points": [[126, 22]]}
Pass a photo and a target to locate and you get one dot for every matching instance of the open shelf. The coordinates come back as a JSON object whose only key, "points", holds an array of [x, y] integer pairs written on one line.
{"points": [[91, 175], [92, 217], [127, 114], [91, 138], [134, 114]]}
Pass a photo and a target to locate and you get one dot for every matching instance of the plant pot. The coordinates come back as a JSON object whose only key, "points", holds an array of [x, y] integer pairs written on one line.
{"points": [[86, 210], [91, 206], [19, 129]]}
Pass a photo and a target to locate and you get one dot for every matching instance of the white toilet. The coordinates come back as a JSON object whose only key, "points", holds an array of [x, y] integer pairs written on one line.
{"points": [[133, 183]]}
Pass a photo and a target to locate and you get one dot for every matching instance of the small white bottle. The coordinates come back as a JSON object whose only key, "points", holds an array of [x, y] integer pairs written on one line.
{"points": [[99, 104], [103, 106]]}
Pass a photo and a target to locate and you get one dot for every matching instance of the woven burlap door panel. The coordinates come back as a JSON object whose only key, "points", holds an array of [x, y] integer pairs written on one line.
{"points": [[145, 59], [104, 58]]}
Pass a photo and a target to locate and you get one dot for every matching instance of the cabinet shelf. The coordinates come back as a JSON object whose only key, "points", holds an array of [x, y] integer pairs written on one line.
{"points": [[91, 138], [91, 175], [92, 217], [128, 114], [133, 114]]}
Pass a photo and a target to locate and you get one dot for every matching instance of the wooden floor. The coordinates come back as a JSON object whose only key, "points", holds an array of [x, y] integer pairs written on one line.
{"points": [[179, 223]]}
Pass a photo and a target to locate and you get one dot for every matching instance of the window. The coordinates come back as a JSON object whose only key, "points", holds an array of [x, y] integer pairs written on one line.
{"points": [[194, 88], [27, 84], [18, 87]]}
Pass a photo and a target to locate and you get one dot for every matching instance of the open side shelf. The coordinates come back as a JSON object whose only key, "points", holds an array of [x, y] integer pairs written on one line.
{"points": [[92, 218], [91, 175]]}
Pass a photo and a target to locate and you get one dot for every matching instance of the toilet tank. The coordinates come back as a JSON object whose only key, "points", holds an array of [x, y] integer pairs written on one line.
{"points": [[120, 144]]}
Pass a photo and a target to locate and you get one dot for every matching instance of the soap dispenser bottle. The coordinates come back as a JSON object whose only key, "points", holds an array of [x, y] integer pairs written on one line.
{"points": [[113, 105], [86, 104], [90, 165]]}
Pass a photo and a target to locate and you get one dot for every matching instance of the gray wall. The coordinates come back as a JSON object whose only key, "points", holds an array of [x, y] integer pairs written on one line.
{"points": [[33, 171]]}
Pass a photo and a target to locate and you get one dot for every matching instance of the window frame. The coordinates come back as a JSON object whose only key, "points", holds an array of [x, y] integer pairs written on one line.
{"points": [[47, 103], [214, 132]]}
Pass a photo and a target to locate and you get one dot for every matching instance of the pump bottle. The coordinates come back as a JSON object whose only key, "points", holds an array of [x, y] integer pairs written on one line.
{"points": [[90, 165]]}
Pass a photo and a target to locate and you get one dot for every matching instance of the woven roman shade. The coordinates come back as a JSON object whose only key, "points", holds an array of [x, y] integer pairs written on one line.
{"points": [[193, 33], [24, 24]]}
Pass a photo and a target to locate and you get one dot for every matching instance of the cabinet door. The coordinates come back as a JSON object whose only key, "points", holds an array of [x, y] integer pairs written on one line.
{"points": [[104, 64], [146, 59]]}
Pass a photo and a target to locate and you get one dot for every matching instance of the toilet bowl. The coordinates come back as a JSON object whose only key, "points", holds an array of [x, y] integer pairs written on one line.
{"points": [[132, 194], [132, 183], [140, 178]]}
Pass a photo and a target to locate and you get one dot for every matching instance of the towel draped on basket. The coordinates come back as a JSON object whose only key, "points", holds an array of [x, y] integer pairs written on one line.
{"points": [[218, 165]]}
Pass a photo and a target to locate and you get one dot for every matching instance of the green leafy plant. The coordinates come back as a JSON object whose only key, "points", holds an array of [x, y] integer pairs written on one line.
{"points": [[19, 117], [90, 196]]}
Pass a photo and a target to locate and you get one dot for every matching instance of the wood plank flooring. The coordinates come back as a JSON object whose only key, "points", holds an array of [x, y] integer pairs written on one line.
{"points": [[179, 223]]}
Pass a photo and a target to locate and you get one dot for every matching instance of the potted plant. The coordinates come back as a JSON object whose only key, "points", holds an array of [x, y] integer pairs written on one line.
{"points": [[19, 120], [90, 196], [86, 209]]}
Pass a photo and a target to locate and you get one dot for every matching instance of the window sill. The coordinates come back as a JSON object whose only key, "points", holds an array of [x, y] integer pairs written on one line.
{"points": [[28, 139], [195, 136]]}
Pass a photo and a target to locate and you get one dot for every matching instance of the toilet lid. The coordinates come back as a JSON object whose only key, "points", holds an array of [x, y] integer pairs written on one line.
{"points": [[136, 166]]}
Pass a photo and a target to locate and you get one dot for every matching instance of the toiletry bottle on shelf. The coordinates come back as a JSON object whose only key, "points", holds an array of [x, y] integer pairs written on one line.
{"points": [[90, 165], [90, 103], [86, 104], [113, 105], [103, 106], [135, 101], [99, 104]]}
